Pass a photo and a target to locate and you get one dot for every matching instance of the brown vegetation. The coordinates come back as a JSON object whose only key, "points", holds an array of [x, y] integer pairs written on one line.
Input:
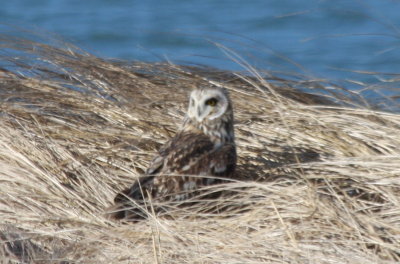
{"points": [[318, 177]]}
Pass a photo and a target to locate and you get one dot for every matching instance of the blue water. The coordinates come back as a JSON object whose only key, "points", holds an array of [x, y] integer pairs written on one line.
{"points": [[321, 39]]}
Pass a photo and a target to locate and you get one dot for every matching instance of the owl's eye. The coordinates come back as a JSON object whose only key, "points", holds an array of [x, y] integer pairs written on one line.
{"points": [[211, 102]]}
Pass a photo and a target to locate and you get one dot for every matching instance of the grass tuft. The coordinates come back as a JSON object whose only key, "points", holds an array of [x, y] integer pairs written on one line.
{"points": [[317, 181]]}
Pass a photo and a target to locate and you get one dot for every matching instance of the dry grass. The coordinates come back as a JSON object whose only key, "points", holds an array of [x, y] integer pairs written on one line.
{"points": [[318, 182]]}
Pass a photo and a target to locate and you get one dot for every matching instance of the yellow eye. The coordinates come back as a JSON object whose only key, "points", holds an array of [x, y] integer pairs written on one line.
{"points": [[212, 102]]}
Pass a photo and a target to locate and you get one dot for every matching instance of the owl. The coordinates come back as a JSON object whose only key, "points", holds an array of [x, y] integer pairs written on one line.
{"points": [[202, 152]]}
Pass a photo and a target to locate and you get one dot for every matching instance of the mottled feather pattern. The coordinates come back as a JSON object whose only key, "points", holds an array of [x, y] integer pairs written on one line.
{"points": [[197, 156]]}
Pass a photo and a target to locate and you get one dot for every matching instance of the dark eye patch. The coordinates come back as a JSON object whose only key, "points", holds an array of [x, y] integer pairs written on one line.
{"points": [[212, 101]]}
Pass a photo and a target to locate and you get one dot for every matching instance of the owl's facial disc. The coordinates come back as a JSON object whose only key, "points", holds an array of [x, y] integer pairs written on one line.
{"points": [[208, 104]]}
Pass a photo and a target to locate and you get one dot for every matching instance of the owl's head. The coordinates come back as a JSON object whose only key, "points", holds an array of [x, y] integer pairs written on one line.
{"points": [[210, 110], [209, 104]]}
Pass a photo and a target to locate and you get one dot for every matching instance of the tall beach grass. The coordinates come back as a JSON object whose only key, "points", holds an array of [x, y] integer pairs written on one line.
{"points": [[318, 178]]}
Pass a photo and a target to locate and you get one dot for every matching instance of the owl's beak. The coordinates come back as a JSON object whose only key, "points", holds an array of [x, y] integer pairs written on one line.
{"points": [[198, 115]]}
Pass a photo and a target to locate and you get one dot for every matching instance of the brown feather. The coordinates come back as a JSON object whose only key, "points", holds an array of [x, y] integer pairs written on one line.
{"points": [[197, 156]]}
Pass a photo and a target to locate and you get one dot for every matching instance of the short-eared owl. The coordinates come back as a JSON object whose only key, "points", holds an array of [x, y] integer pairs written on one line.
{"points": [[203, 148]]}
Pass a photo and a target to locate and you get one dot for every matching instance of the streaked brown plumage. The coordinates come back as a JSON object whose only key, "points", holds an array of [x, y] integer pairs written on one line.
{"points": [[201, 151]]}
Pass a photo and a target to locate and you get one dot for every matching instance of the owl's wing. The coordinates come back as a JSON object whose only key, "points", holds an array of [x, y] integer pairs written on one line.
{"points": [[176, 170], [187, 174], [144, 182]]}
